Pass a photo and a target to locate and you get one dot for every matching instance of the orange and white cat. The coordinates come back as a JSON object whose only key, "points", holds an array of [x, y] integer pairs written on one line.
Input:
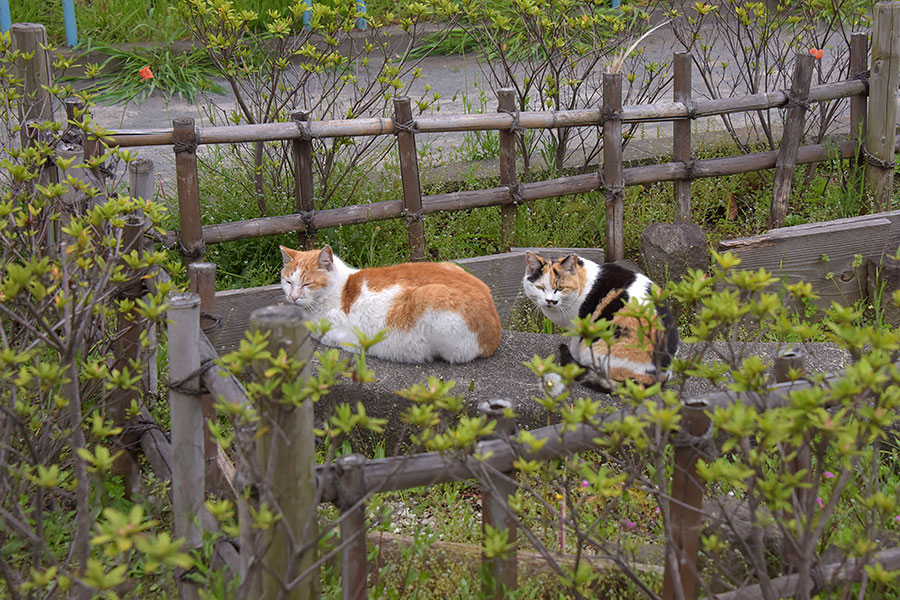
{"points": [[430, 310]]}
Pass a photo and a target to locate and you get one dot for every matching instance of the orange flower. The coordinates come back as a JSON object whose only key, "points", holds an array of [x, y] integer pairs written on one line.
{"points": [[146, 73], [817, 53]]}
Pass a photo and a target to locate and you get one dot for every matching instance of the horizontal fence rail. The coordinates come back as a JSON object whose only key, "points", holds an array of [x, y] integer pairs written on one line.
{"points": [[576, 184], [660, 111]]}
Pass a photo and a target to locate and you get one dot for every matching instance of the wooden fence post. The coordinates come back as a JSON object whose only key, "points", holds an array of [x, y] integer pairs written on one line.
{"points": [[508, 211], [613, 179], [202, 278], [286, 457], [185, 146], [794, 124], [495, 508], [301, 149], [36, 104], [685, 509], [351, 489], [881, 131], [405, 128], [127, 347], [186, 419], [681, 135]]}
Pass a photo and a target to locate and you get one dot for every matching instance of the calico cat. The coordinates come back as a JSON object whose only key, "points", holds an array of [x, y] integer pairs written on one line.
{"points": [[431, 310], [576, 287]]}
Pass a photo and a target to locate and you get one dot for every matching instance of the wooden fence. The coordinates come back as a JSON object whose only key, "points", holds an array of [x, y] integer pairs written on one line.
{"points": [[351, 480], [611, 179]]}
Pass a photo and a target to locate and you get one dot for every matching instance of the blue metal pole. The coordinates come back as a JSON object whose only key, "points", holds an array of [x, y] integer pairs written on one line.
{"points": [[69, 18], [307, 14], [5, 17], [361, 9]]}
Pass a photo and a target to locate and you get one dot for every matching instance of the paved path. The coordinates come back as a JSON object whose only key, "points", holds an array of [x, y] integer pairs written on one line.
{"points": [[459, 79]]}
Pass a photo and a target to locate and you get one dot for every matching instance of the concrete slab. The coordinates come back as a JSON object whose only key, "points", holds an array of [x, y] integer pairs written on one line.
{"points": [[504, 375]]}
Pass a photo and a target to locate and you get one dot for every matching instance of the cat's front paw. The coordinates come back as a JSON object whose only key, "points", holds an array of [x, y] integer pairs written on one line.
{"points": [[553, 384]]}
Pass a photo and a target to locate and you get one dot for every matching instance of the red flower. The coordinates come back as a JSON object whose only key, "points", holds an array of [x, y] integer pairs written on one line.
{"points": [[146, 73], [817, 53]]}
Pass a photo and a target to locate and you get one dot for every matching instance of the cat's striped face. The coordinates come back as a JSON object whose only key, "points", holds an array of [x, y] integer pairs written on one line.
{"points": [[553, 284], [305, 275]]}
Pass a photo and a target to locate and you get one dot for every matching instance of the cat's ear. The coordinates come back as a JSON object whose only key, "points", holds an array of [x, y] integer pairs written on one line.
{"points": [[569, 264], [533, 263], [287, 255], [326, 258]]}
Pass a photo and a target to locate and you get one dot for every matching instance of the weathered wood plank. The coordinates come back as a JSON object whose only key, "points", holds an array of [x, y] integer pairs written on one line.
{"points": [[819, 253], [233, 307]]}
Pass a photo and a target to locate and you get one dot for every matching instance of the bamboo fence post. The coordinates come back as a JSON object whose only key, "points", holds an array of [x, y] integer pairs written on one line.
{"points": [[685, 509], [681, 135], [509, 211], [140, 185], [351, 490], [613, 180], [795, 358], [202, 278], [495, 508], [186, 418], [286, 456], [881, 131], [405, 129], [36, 104], [127, 348], [301, 149], [186, 139], [140, 178], [794, 124]]}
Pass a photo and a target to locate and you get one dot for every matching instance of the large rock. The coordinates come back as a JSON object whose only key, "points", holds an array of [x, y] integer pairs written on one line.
{"points": [[670, 249]]}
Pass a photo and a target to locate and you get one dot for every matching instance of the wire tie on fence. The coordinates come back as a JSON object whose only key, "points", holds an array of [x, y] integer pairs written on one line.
{"points": [[878, 162], [515, 193], [178, 386], [309, 221], [188, 145], [612, 192], [691, 110], [216, 321], [609, 115], [410, 217], [193, 253], [305, 130], [690, 167], [702, 443], [516, 126], [794, 101], [862, 76], [409, 126]]}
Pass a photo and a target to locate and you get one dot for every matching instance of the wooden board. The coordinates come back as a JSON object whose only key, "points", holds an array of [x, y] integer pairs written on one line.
{"points": [[502, 272], [233, 307], [820, 253]]}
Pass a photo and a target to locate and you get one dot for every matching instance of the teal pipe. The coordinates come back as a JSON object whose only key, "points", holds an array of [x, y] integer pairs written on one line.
{"points": [[361, 9], [5, 17], [69, 19], [307, 14]]}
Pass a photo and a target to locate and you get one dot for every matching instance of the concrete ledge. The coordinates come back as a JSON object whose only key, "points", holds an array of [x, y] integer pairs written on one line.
{"points": [[505, 376]]}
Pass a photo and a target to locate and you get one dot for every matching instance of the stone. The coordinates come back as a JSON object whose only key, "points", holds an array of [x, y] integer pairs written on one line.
{"points": [[670, 249]]}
